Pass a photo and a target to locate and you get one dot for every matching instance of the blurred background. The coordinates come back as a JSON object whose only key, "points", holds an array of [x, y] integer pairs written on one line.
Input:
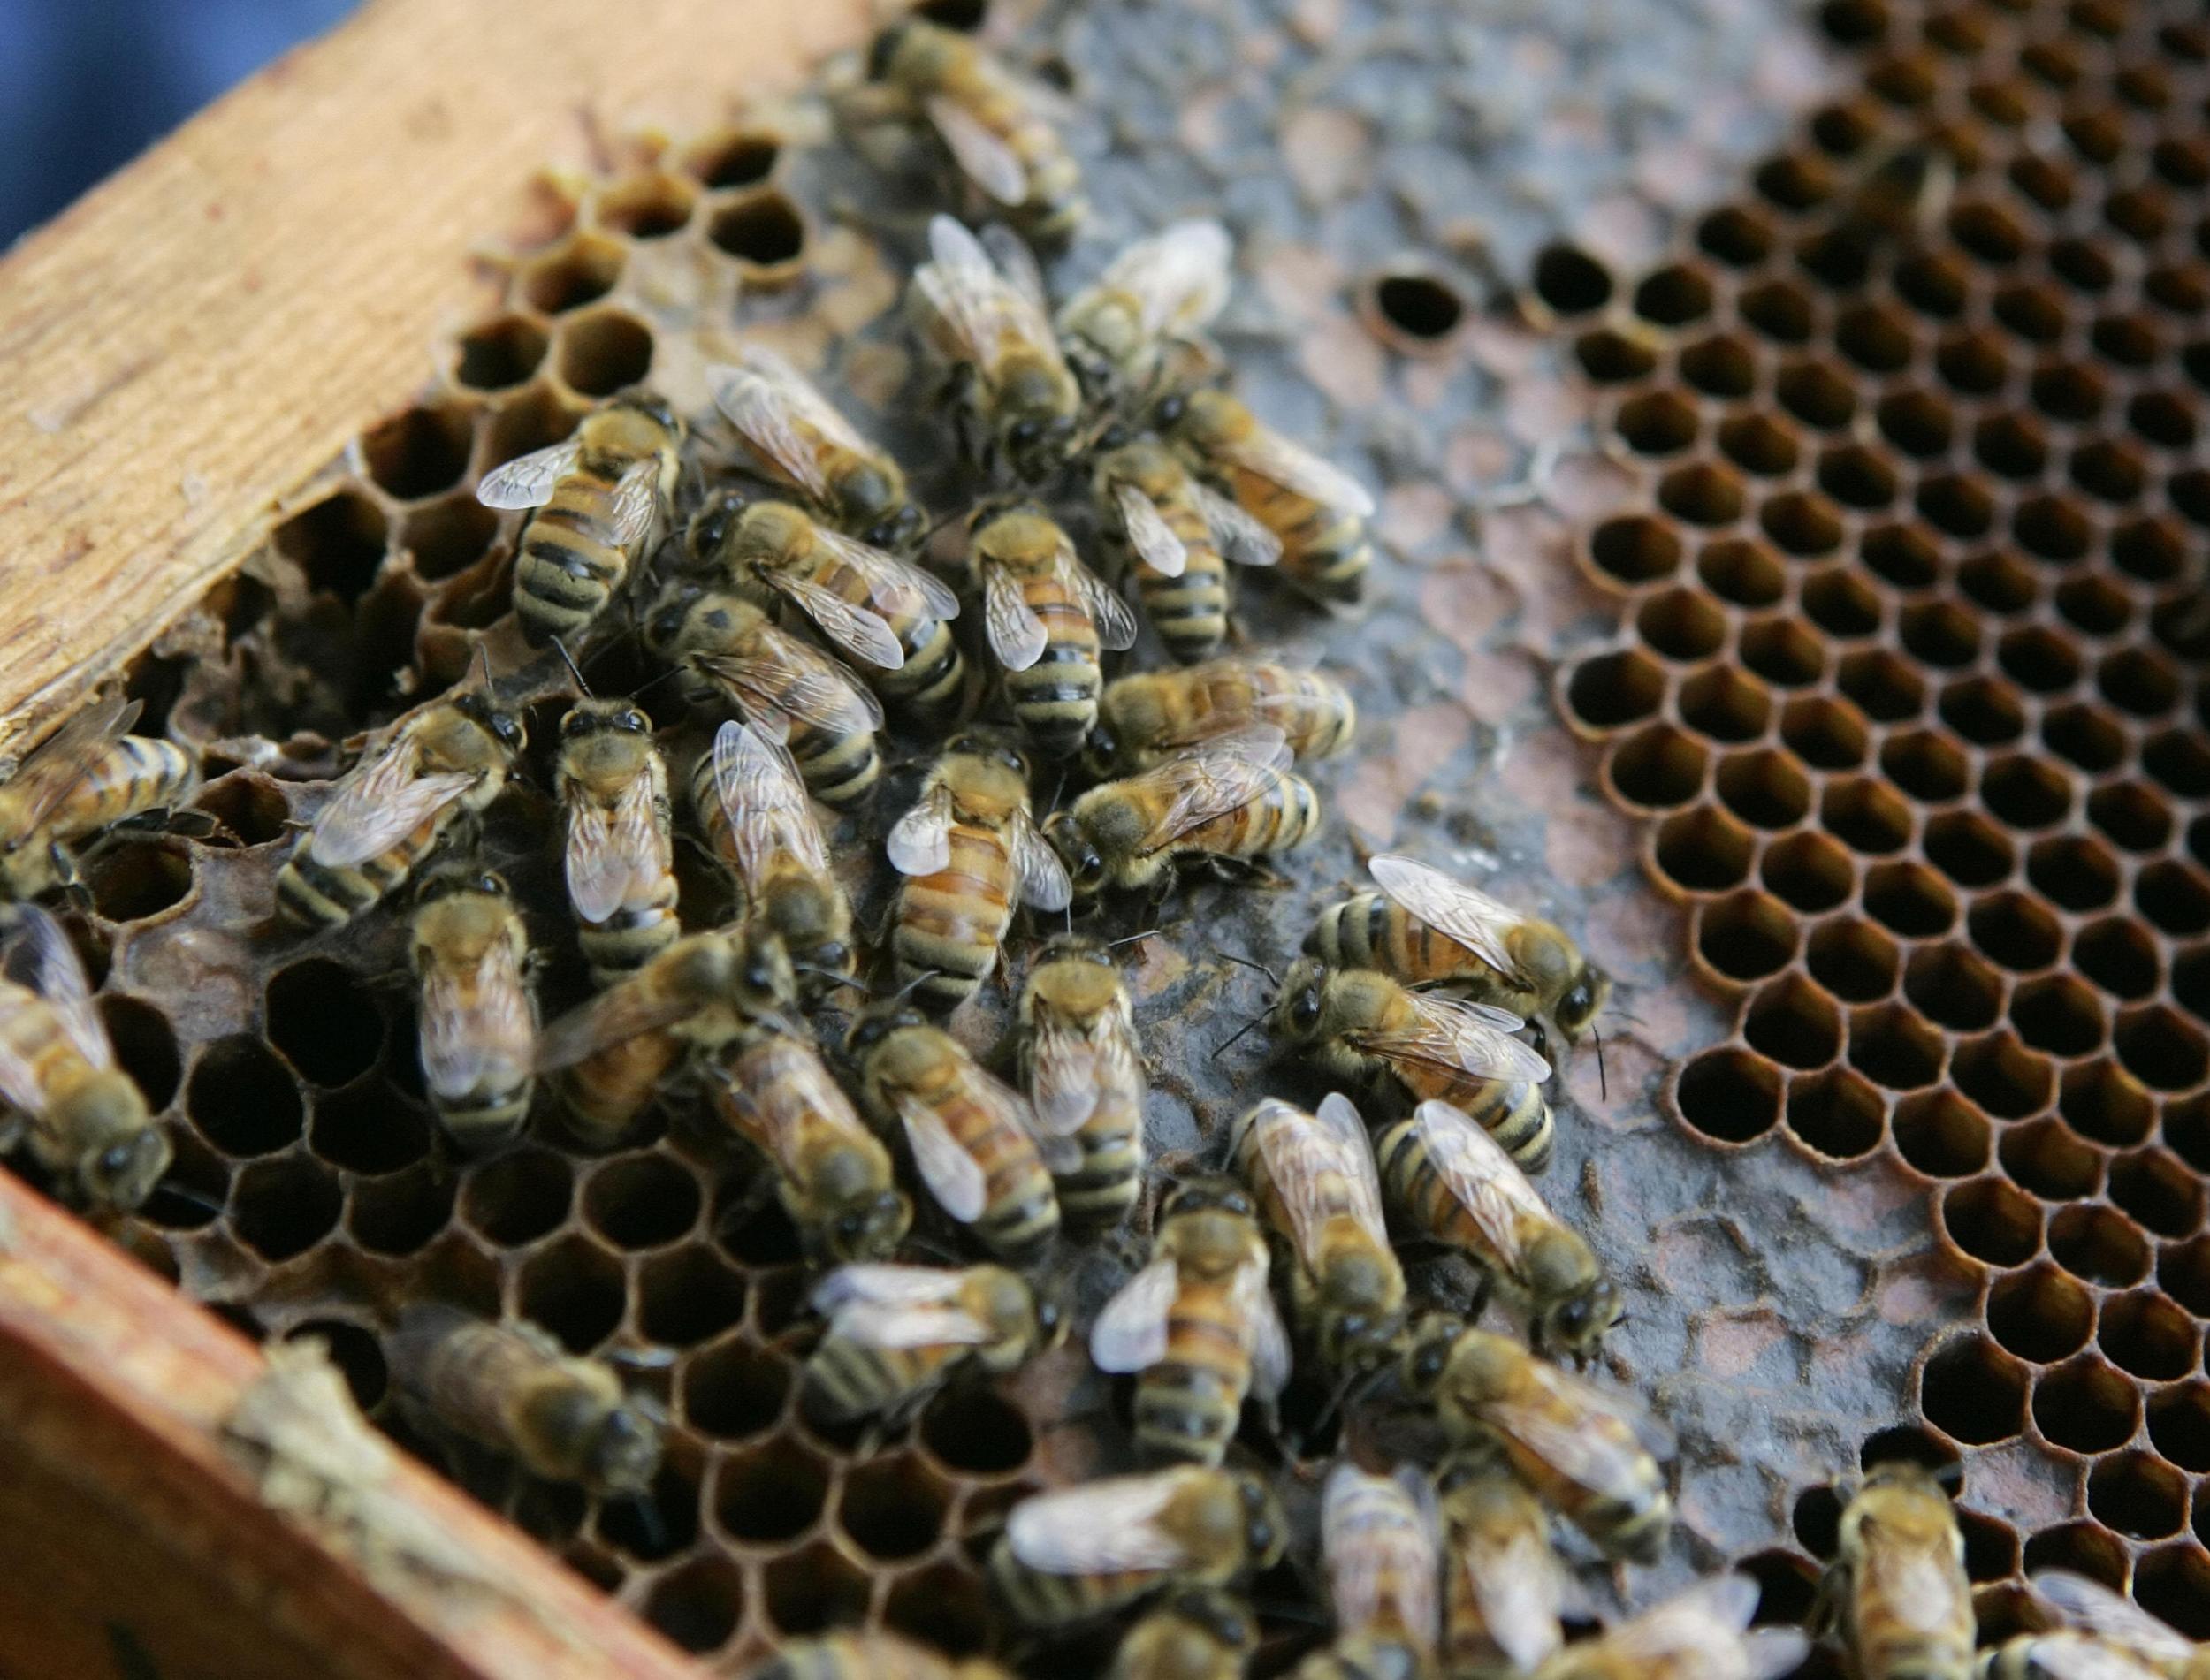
{"points": [[87, 85]]}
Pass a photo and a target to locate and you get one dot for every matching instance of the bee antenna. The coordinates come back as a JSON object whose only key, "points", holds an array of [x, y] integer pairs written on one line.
{"points": [[1131, 939], [1604, 1081], [1238, 1033], [191, 1197], [648, 684], [907, 989], [482, 663], [1351, 1381], [574, 670], [1261, 967], [830, 974], [650, 1520]]}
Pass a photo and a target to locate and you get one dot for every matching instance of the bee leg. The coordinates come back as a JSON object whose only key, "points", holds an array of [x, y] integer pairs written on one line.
{"points": [[65, 876]]}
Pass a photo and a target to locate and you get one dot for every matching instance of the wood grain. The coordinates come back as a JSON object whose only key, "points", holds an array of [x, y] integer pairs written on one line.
{"points": [[201, 333]]}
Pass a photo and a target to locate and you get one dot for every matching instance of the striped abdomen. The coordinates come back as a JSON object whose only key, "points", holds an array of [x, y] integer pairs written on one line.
{"points": [[1188, 1404], [1324, 553], [1040, 1601], [1419, 1192], [841, 765], [570, 563], [1886, 1647], [1282, 817], [954, 922], [1514, 1112], [1100, 1191], [849, 1380], [1629, 1523], [313, 893], [1189, 613], [1371, 931], [1020, 1209], [31, 1035], [932, 680], [631, 938], [135, 774], [1055, 206], [1055, 698], [607, 1090]]}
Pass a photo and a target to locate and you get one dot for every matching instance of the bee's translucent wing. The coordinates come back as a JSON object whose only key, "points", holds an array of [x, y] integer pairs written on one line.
{"points": [[1266, 452], [1130, 1333], [2091, 1605], [895, 585], [1043, 877], [1098, 1528], [1016, 265], [1016, 635], [1597, 1458], [1521, 1585], [60, 762], [478, 1033], [920, 841], [1179, 277], [962, 288], [772, 406], [1461, 1038], [982, 155], [851, 629], [529, 481], [1063, 1080], [1771, 1653], [952, 1176], [1338, 1116], [1148, 534], [627, 1011], [617, 857], [887, 1285], [1455, 911], [1222, 776], [380, 804], [1270, 1358], [1115, 624], [788, 682], [1482, 1178], [1304, 1161], [38, 956], [1707, 1619], [636, 503], [893, 1328], [1380, 1544], [1241, 538], [764, 799]]}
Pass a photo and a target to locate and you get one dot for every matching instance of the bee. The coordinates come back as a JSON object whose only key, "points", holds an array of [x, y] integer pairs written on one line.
{"points": [[1316, 511], [620, 858], [1160, 290], [1317, 1185], [1427, 928], [1453, 1184], [83, 1118], [1011, 385], [89, 775], [1077, 1051], [990, 121], [1148, 717], [1901, 195], [1195, 1636], [1358, 1024], [1231, 799], [1504, 1588], [802, 442], [2110, 1639], [898, 1334], [1589, 1455], [599, 497], [884, 611], [1070, 1553], [1903, 1601], [752, 805], [701, 993], [512, 1387], [1198, 1325], [478, 1023], [1179, 534], [1047, 615], [448, 760], [968, 849], [832, 1175], [792, 693], [1378, 1536], [974, 1142], [1697, 1634], [861, 1654]]}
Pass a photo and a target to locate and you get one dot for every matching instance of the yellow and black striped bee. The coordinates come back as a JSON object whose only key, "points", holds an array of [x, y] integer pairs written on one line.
{"points": [[752, 805], [1196, 1326], [1898, 1589], [1377, 1537], [801, 441], [990, 121], [1150, 716], [620, 857], [898, 1334], [1702, 1633], [82, 1117], [1179, 535], [510, 1386], [1452, 1183], [974, 1142], [1047, 616], [600, 496], [832, 1175], [89, 775], [478, 1023], [1230, 800], [614, 1052], [1080, 1061], [1588, 1454], [1016, 401], [968, 851], [1074, 1553], [1161, 292], [884, 613], [1316, 1182], [1360, 1025], [2108, 1636], [1206, 1635], [1504, 1588], [792, 693], [869, 1654], [1316, 511], [444, 762]]}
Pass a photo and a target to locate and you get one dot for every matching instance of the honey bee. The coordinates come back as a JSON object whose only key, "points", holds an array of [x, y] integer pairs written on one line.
{"points": [[1902, 1599], [1358, 1024], [864, 1654], [1070, 1553], [790, 692], [512, 1387], [1316, 511], [701, 993], [990, 121], [1453, 1184], [801, 441], [968, 849], [1504, 1588], [1010, 383], [82, 1117], [1162, 290], [898, 1334], [1047, 615], [2068, 1653], [1079, 1059], [448, 760], [832, 1175], [883, 611], [478, 1023], [599, 497], [1230, 800], [1589, 1455], [1195, 1636], [1315, 1179], [974, 1142], [1696, 1635], [89, 775], [752, 804], [1179, 536], [1377, 1535], [1198, 1325], [620, 858], [1150, 716], [2110, 1639]]}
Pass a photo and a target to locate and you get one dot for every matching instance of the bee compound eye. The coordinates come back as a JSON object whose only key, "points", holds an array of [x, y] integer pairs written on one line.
{"points": [[1304, 1014], [1024, 433], [1171, 410], [115, 1160]]}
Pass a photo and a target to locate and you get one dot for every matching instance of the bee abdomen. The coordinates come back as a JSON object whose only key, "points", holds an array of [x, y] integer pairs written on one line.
{"points": [[311, 893], [1189, 613], [846, 1380], [1331, 566], [489, 1119], [934, 678], [1630, 1528], [1019, 1223], [1295, 811], [1055, 699], [954, 922], [567, 569], [840, 770], [142, 774], [1040, 1601], [629, 939], [1104, 1186]]}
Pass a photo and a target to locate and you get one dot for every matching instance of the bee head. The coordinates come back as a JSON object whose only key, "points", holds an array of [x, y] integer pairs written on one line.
{"points": [[878, 1022], [1037, 445], [625, 1450], [1301, 1005], [883, 51], [900, 527], [1577, 1323], [1591, 986], [871, 1229], [122, 1174], [667, 619], [1101, 752], [711, 526], [1171, 412], [1219, 1617], [992, 745], [765, 978], [1086, 864], [502, 726], [1428, 1351], [450, 883], [1075, 947], [1210, 1195], [1265, 1530]]}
